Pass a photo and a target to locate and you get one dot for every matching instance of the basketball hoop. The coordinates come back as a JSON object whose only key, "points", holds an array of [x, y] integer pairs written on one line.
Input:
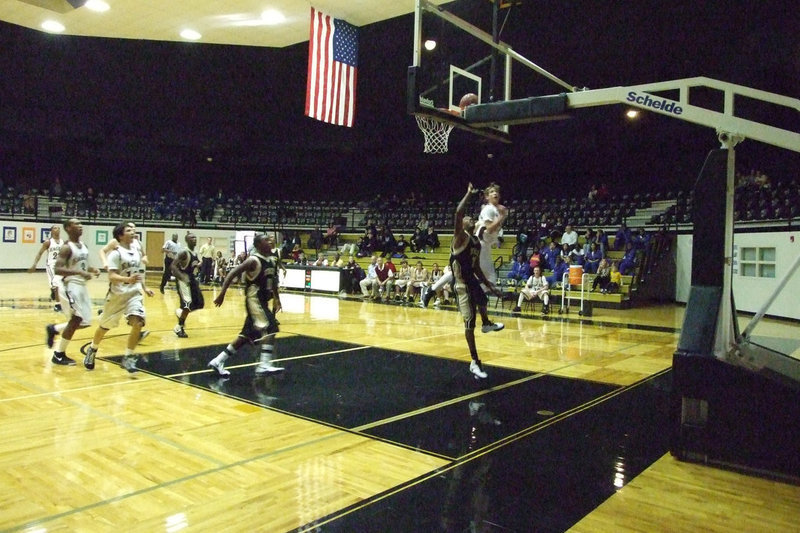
{"points": [[436, 134]]}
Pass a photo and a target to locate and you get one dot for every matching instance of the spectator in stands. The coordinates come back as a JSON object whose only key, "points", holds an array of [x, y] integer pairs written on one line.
{"points": [[418, 241], [440, 290], [592, 259], [640, 239], [559, 270], [588, 238], [576, 256], [422, 225], [388, 242], [364, 244], [370, 278], [91, 203], [321, 260], [419, 279], [602, 241], [384, 282], [520, 270], [535, 260], [622, 237], [565, 250], [557, 229], [332, 235], [55, 189], [431, 240], [602, 277], [570, 236], [315, 238], [543, 228], [550, 255], [592, 197], [535, 287], [602, 193], [628, 261], [615, 279], [400, 247]]}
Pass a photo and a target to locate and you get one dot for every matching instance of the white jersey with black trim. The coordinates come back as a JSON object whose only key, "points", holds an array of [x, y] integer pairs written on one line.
{"points": [[126, 262], [53, 249], [78, 260]]}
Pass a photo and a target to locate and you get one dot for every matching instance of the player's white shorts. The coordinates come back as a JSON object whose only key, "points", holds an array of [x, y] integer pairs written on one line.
{"points": [[76, 298], [119, 305]]}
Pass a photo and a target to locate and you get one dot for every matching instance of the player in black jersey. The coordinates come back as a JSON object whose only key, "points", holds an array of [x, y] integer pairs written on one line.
{"points": [[465, 250], [184, 268], [260, 273]]}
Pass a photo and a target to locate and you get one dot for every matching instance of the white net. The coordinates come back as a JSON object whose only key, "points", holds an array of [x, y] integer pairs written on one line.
{"points": [[436, 134]]}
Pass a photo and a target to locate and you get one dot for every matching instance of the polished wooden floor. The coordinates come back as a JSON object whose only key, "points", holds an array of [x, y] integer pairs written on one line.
{"points": [[107, 450]]}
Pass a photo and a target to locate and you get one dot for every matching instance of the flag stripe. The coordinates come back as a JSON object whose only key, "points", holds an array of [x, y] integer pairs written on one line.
{"points": [[332, 70]]}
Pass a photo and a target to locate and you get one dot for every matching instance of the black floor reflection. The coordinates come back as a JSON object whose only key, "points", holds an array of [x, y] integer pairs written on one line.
{"points": [[545, 482], [537, 455]]}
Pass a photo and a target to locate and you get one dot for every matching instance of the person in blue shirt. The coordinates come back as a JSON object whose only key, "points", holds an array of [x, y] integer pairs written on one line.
{"points": [[520, 269]]}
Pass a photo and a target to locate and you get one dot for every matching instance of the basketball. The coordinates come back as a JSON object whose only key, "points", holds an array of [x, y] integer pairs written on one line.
{"points": [[468, 100]]}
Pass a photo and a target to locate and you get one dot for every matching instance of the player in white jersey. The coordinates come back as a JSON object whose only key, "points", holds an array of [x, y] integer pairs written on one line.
{"points": [[126, 274], [488, 227], [51, 247], [113, 244], [73, 265]]}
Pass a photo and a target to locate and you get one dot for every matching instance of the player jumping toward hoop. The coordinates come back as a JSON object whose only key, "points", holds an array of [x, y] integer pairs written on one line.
{"points": [[465, 251]]}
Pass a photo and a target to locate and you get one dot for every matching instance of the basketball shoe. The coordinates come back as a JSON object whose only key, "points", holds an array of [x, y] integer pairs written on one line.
{"points": [[477, 370]]}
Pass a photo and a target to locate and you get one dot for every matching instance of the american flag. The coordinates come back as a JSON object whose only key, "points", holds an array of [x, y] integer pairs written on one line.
{"points": [[332, 68]]}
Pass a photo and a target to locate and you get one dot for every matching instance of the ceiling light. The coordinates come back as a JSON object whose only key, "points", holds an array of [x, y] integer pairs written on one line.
{"points": [[190, 35], [53, 26], [272, 17], [96, 5], [430, 44], [632, 113]]}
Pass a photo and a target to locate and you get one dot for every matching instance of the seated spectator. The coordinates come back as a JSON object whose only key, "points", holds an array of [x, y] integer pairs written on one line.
{"points": [[570, 236], [557, 229], [422, 225], [534, 261], [353, 275], [400, 247], [550, 255], [535, 287], [576, 256], [628, 261], [402, 279], [602, 241], [592, 259], [348, 249], [431, 240], [543, 229], [443, 292], [640, 239], [336, 260], [592, 197], [418, 241], [321, 260], [315, 238], [384, 282], [520, 270], [387, 243], [419, 279], [331, 237], [615, 279], [622, 237], [364, 244], [603, 276], [588, 238], [370, 278], [559, 270], [220, 266]]}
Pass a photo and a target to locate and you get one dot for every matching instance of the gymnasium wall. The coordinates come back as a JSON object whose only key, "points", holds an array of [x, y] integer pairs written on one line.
{"points": [[750, 293]]}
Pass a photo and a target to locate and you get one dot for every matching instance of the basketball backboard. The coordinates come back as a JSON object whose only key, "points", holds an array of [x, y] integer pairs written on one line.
{"points": [[453, 57]]}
